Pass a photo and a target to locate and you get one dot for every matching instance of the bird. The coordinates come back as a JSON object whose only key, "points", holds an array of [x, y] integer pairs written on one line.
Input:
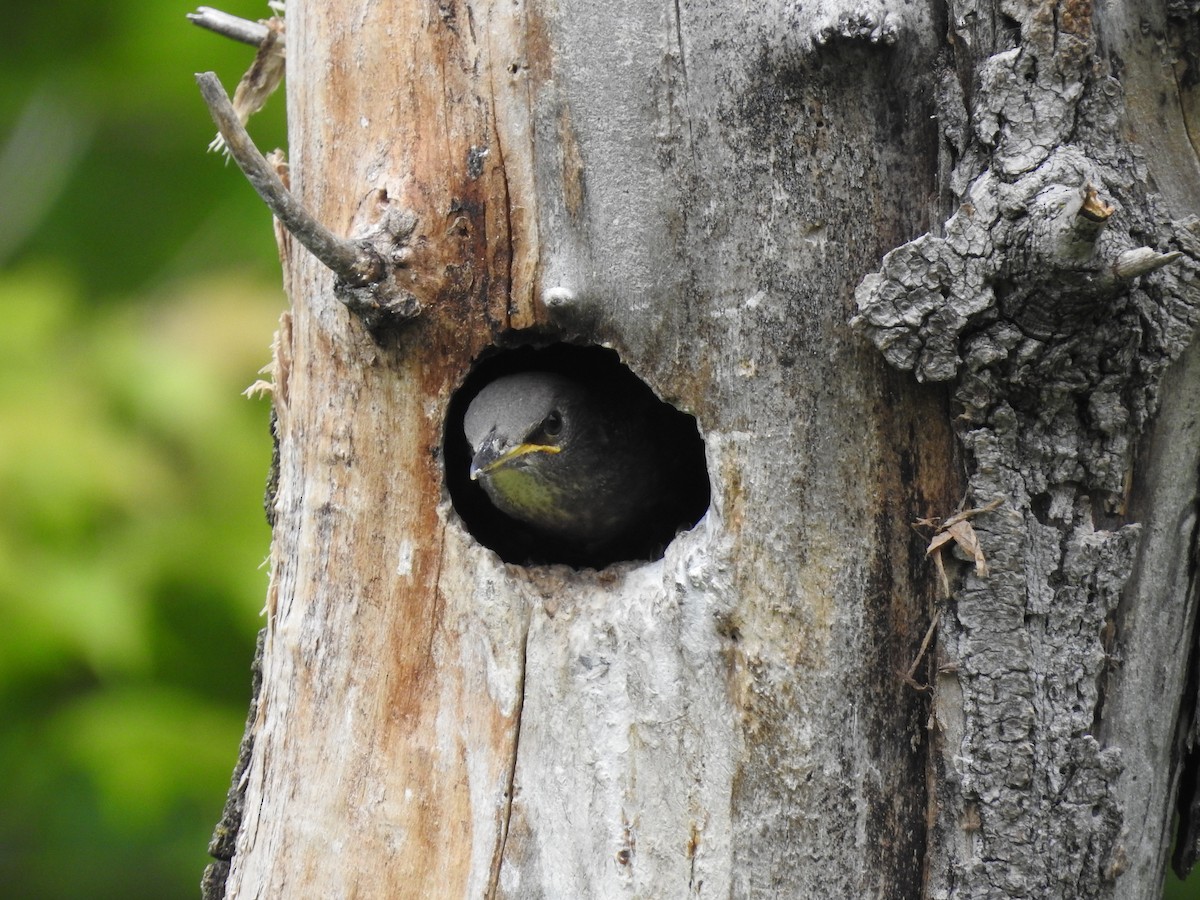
{"points": [[587, 469]]}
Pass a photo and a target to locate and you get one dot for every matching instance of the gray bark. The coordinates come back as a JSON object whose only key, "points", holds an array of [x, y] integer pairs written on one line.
{"points": [[1061, 674], [703, 186]]}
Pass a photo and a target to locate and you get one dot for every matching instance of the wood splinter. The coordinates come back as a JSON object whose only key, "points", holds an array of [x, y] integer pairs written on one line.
{"points": [[1094, 207], [265, 73], [1092, 216], [365, 282]]}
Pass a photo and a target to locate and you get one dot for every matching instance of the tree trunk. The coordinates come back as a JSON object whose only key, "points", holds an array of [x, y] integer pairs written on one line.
{"points": [[703, 187]]}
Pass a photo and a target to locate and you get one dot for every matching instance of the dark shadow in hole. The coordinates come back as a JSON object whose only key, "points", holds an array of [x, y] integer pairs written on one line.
{"points": [[685, 483]]}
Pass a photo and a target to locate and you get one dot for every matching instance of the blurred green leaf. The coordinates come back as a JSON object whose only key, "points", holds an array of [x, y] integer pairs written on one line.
{"points": [[131, 538], [148, 750], [139, 290]]}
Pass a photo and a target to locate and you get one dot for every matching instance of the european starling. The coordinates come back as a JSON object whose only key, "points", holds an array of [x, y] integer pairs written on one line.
{"points": [[587, 468]]}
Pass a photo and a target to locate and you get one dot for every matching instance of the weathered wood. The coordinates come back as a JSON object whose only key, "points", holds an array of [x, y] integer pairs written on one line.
{"points": [[702, 186]]}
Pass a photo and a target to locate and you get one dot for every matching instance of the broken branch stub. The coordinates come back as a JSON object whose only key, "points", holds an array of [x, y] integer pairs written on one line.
{"points": [[365, 267], [233, 27]]}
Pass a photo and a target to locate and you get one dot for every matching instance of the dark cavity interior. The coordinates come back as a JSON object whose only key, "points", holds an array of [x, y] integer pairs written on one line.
{"points": [[685, 482]]}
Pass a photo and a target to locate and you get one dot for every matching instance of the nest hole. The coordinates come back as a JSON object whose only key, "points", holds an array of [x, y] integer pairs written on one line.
{"points": [[672, 440]]}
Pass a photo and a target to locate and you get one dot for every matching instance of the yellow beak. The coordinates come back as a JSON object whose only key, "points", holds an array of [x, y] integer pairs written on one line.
{"points": [[490, 458]]}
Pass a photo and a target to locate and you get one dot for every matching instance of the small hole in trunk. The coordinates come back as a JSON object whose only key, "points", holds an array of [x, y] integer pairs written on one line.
{"points": [[575, 460]]}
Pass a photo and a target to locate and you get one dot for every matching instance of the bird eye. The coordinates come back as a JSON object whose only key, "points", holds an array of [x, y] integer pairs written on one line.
{"points": [[552, 424]]}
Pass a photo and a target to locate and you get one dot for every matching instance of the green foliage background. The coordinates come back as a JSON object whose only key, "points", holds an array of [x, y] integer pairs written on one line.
{"points": [[139, 290]]}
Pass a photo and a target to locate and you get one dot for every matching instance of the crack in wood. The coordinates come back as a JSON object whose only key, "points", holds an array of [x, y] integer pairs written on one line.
{"points": [[510, 787]]}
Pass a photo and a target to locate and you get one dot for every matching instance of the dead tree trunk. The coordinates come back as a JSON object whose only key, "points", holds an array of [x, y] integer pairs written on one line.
{"points": [[709, 189]]}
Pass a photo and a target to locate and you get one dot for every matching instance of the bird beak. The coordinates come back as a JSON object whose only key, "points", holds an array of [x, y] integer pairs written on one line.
{"points": [[492, 456]]}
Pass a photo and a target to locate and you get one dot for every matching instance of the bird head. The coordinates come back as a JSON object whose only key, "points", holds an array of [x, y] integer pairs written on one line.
{"points": [[516, 422], [583, 465], [523, 430]]}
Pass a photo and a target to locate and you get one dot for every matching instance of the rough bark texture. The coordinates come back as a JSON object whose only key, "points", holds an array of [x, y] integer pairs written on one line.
{"points": [[702, 186], [1056, 701]]}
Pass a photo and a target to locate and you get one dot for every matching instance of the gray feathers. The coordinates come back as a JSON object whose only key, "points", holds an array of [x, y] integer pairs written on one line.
{"points": [[512, 406]]}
